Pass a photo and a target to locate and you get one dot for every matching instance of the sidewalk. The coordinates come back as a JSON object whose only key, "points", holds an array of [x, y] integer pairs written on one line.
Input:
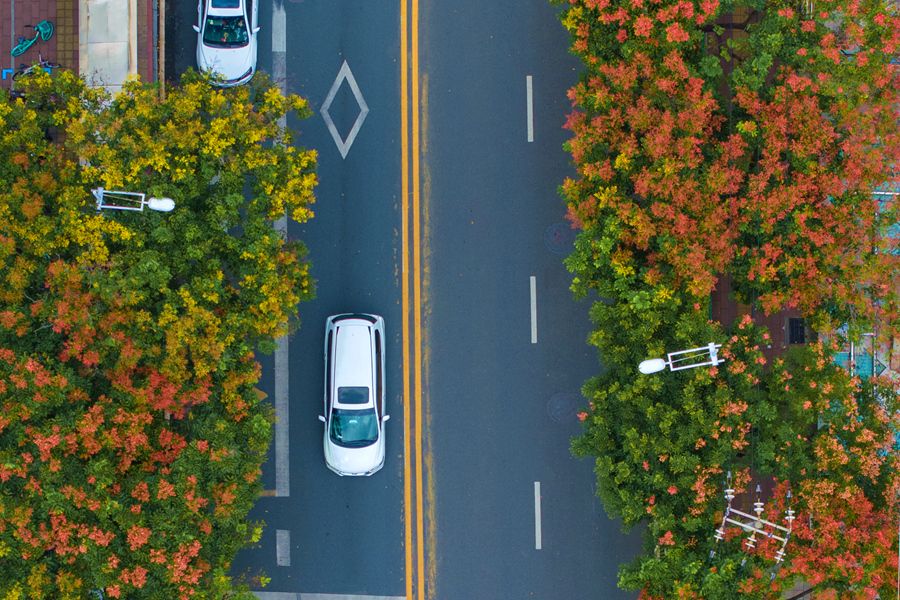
{"points": [[103, 40], [107, 41]]}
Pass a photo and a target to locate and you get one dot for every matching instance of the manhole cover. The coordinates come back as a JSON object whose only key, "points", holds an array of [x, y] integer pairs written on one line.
{"points": [[560, 238], [563, 406]]}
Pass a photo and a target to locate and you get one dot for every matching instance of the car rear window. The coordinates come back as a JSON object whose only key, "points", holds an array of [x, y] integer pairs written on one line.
{"points": [[226, 3], [353, 395]]}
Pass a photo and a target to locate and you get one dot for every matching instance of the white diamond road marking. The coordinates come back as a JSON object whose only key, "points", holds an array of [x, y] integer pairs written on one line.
{"points": [[345, 74]]}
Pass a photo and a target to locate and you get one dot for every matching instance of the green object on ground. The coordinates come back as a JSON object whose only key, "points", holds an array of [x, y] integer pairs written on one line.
{"points": [[43, 30]]}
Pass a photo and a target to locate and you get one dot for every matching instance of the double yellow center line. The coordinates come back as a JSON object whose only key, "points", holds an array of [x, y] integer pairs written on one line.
{"points": [[411, 229]]}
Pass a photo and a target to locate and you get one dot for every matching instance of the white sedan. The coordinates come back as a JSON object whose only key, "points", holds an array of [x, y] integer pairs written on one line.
{"points": [[226, 40], [354, 394]]}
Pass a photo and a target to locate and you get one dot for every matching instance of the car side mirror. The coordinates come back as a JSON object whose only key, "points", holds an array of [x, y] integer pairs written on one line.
{"points": [[321, 418], [255, 30], [385, 418], [197, 28]]}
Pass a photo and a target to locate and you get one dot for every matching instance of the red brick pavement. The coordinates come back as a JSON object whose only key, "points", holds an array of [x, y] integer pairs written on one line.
{"points": [[62, 48], [16, 15], [726, 310]]}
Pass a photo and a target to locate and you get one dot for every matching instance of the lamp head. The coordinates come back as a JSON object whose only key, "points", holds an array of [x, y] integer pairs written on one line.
{"points": [[652, 365], [160, 204]]}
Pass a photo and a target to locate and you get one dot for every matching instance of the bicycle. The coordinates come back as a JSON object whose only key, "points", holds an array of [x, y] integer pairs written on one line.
{"points": [[40, 64], [43, 30]]}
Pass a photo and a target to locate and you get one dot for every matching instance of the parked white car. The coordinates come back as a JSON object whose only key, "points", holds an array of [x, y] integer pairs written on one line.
{"points": [[354, 394], [226, 40]]}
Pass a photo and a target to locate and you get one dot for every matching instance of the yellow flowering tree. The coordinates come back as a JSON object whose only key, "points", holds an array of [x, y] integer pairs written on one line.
{"points": [[131, 435]]}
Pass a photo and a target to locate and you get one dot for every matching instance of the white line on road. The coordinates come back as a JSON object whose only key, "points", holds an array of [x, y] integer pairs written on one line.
{"points": [[279, 46], [533, 283], [530, 101], [279, 27], [537, 515], [283, 547], [282, 423]]}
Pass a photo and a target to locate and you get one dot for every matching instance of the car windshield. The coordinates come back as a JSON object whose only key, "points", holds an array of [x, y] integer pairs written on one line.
{"points": [[226, 32], [353, 428]]}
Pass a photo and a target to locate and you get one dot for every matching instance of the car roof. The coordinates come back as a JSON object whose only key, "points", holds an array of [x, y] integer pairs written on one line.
{"points": [[353, 357]]}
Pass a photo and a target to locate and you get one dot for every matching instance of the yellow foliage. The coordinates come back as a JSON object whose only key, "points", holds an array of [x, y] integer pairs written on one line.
{"points": [[662, 294], [69, 586], [623, 163], [273, 100], [256, 535], [622, 264], [606, 196], [573, 17], [217, 138], [14, 593], [668, 167], [38, 580]]}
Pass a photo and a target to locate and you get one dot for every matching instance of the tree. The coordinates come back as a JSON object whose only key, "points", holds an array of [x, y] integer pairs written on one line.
{"points": [[776, 191], [131, 436], [686, 170]]}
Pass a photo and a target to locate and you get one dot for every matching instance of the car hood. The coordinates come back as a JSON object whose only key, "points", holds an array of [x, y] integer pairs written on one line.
{"points": [[354, 461], [230, 63]]}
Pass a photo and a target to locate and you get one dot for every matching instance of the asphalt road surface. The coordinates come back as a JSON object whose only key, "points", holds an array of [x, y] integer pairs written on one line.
{"points": [[507, 512], [504, 400]]}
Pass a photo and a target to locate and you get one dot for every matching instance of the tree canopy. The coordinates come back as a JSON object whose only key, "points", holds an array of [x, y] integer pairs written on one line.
{"points": [[131, 435], [703, 149], [764, 172]]}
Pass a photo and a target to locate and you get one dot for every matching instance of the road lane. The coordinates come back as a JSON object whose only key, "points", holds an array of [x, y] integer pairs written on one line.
{"points": [[345, 533], [503, 409]]}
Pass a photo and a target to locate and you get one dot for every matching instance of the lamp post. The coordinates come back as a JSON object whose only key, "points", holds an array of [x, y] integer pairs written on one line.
{"points": [[121, 200], [684, 359]]}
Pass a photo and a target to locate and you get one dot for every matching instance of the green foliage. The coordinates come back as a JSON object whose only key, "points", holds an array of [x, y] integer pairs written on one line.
{"points": [[674, 188], [131, 433]]}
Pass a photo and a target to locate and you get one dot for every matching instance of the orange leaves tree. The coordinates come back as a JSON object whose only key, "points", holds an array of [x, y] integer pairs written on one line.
{"points": [[764, 172], [836, 445], [131, 435], [755, 157]]}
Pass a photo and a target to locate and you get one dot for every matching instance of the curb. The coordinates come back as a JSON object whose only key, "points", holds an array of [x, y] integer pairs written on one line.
{"points": [[161, 47]]}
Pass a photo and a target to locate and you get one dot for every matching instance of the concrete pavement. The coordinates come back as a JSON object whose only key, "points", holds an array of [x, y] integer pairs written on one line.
{"points": [[107, 41]]}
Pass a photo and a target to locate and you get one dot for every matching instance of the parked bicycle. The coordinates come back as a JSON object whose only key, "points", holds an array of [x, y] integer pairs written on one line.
{"points": [[40, 64], [43, 30]]}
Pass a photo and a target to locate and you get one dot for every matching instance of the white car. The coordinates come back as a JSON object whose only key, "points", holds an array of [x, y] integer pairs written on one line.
{"points": [[226, 40], [354, 394]]}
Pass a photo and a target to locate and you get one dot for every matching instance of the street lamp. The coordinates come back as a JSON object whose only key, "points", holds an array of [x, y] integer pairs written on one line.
{"points": [[119, 200], [684, 359]]}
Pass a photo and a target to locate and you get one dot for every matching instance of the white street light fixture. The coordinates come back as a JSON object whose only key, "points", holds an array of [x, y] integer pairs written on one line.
{"points": [[120, 200], [684, 359]]}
